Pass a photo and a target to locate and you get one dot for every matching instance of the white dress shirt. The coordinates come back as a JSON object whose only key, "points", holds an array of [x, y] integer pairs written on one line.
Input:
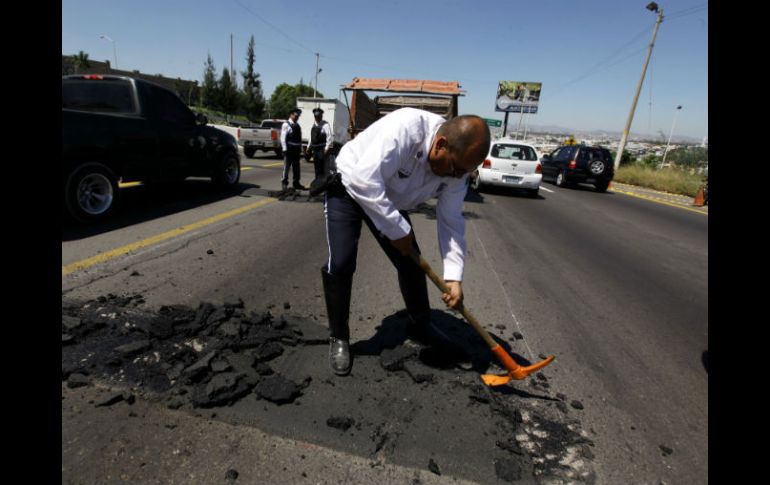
{"points": [[286, 128], [385, 169]]}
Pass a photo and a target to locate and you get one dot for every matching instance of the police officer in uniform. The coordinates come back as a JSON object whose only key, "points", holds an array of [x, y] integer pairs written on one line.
{"points": [[291, 144], [321, 141], [400, 161]]}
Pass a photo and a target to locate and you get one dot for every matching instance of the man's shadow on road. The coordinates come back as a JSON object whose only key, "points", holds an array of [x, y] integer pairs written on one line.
{"points": [[465, 346]]}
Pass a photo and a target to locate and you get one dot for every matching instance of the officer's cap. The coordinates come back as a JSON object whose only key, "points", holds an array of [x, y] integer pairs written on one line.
{"points": [[296, 110]]}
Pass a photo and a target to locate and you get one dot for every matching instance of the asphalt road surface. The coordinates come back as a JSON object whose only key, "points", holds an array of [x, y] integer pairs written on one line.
{"points": [[614, 286]]}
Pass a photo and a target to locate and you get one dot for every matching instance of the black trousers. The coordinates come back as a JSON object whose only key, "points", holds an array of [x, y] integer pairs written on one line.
{"points": [[319, 162], [343, 231], [291, 160]]}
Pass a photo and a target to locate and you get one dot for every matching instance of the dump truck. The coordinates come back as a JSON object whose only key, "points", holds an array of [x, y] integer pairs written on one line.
{"points": [[435, 96]]}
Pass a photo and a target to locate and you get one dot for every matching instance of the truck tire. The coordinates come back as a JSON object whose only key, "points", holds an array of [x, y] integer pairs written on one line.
{"points": [[249, 152], [227, 172], [602, 186], [561, 179], [597, 167], [279, 153], [91, 192]]}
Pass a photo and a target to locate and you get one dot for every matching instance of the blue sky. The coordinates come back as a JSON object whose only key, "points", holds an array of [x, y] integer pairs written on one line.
{"points": [[588, 54]]}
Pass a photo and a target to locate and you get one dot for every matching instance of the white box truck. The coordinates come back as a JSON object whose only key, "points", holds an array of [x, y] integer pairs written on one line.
{"points": [[335, 113]]}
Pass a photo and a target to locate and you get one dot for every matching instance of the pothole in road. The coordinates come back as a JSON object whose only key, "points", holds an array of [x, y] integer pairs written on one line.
{"points": [[404, 402]]}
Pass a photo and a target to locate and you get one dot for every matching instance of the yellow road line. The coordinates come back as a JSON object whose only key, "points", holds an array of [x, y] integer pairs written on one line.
{"points": [[659, 201], [122, 251], [246, 168], [129, 184], [279, 164]]}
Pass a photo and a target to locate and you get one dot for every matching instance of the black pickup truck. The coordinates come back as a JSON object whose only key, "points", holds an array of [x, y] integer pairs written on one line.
{"points": [[121, 129]]}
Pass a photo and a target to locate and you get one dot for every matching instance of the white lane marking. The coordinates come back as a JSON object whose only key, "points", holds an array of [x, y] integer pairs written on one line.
{"points": [[502, 288], [547, 190]]}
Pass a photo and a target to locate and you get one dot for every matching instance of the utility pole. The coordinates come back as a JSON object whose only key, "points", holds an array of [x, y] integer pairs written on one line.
{"points": [[678, 109], [232, 72], [114, 49], [653, 7], [315, 91]]}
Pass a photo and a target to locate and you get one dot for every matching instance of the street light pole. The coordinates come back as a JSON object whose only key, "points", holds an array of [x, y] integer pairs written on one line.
{"points": [[654, 8], [315, 91], [678, 109], [114, 49]]}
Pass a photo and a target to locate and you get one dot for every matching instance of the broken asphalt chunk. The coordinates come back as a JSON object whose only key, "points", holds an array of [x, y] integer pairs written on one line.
{"points": [[223, 389], [393, 359], [277, 389], [113, 398], [77, 380], [341, 423], [433, 467], [70, 323], [268, 351], [577, 404], [133, 348]]}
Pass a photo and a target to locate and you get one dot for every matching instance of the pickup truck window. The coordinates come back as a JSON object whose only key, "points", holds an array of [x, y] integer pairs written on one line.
{"points": [[171, 109], [97, 96], [272, 124]]}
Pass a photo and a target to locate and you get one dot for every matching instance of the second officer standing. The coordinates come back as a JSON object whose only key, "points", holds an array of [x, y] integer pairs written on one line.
{"points": [[291, 144], [321, 141]]}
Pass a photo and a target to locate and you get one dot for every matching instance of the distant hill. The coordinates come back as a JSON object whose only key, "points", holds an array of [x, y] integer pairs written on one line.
{"points": [[614, 135]]}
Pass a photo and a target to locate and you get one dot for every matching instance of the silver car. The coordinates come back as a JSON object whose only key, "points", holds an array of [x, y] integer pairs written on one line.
{"points": [[510, 163]]}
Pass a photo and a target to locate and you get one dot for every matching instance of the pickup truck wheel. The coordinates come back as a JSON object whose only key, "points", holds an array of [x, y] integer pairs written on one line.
{"points": [[249, 152], [91, 192], [561, 180], [533, 192], [228, 171], [279, 153]]}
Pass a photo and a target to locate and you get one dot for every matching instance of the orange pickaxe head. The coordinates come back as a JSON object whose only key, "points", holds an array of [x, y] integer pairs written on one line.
{"points": [[515, 371]]}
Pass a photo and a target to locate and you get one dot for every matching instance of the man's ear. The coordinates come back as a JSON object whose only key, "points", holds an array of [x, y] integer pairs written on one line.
{"points": [[441, 142]]}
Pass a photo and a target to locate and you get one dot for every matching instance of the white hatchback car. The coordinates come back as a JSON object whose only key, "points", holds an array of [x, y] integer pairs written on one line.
{"points": [[510, 163]]}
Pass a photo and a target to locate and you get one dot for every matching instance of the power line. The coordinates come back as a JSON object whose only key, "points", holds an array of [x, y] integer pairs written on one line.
{"points": [[272, 26], [688, 11], [602, 65]]}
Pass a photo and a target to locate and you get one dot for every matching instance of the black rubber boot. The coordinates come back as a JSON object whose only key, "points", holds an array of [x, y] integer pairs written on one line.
{"points": [[337, 290]]}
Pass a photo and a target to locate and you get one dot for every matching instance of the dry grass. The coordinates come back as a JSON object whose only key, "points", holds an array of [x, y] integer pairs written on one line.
{"points": [[671, 180]]}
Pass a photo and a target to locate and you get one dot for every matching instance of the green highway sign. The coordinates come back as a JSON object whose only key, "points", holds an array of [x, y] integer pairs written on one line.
{"points": [[495, 123]]}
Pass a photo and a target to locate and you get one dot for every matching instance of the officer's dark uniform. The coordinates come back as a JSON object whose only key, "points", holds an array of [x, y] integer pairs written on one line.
{"points": [[292, 153], [318, 141]]}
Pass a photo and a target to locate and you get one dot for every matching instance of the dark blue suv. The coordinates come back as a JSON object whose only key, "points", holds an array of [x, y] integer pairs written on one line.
{"points": [[572, 164]]}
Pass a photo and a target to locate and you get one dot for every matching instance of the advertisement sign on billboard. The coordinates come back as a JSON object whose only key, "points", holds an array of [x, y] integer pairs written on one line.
{"points": [[518, 97]]}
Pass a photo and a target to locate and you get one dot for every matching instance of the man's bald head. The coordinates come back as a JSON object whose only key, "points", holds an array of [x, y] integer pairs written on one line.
{"points": [[468, 138]]}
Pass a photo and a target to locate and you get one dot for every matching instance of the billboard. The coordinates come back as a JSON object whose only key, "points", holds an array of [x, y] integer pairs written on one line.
{"points": [[518, 97]]}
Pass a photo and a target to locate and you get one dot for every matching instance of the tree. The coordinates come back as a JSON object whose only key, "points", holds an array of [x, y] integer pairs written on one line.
{"points": [[625, 159], [285, 97], [688, 157], [228, 93], [649, 161], [210, 86], [80, 62], [253, 99]]}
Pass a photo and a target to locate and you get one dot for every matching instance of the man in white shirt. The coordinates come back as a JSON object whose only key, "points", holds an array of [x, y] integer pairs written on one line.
{"points": [[321, 141], [291, 144], [400, 161]]}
